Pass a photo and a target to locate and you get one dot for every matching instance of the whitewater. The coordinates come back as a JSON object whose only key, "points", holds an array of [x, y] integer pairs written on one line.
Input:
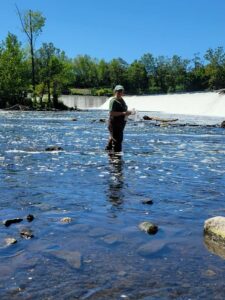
{"points": [[211, 104]]}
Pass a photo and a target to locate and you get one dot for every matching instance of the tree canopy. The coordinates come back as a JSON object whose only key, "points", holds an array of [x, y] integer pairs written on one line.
{"points": [[53, 73]]}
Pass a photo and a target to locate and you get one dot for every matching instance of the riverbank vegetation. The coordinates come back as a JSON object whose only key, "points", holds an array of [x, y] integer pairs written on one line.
{"points": [[36, 77]]}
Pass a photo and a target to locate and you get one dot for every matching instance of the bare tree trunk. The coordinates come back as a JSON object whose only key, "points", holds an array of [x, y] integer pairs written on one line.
{"points": [[49, 93], [32, 54]]}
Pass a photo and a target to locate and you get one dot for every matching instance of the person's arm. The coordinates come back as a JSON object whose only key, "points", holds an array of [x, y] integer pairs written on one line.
{"points": [[119, 113]]}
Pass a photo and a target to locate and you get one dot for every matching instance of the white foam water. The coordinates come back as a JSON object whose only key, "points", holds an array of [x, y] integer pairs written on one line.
{"points": [[197, 104]]}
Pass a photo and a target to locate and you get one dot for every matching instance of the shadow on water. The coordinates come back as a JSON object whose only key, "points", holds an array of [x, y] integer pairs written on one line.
{"points": [[116, 180]]}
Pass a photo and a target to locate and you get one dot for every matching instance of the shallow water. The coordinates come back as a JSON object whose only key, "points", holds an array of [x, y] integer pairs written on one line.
{"points": [[101, 253]]}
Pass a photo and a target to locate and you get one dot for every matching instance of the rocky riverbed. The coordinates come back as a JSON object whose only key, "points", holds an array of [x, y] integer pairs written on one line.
{"points": [[85, 240]]}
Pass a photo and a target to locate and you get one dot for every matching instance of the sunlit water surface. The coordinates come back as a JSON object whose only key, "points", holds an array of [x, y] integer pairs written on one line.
{"points": [[101, 253]]}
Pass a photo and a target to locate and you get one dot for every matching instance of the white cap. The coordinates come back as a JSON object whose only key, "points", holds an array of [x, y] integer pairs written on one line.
{"points": [[118, 88]]}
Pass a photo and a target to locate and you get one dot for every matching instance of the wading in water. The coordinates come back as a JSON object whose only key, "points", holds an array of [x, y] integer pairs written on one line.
{"points": [[118, 114]]}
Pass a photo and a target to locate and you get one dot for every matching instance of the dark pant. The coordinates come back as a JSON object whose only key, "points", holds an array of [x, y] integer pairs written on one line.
{"points": [[116, 128]]}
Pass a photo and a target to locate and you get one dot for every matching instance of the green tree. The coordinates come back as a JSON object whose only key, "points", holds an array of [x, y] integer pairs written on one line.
{"points": [[13, 72], [137, 78], [215, 69], [177, 78], [162, 74], [51, 71], [118, 72], [85, 72], [148, 61], [103, 73], [32, 23], [197, 79]]}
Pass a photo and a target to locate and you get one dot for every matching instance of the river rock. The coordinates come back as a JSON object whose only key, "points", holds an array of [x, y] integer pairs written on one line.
{"points": [[102, 120], [66, 220], [151, 248], [7, 223], [222, 124], [215, 227], [147, 118], [30, 218], [54, 148], [147, 201], [10, 241], [148, 227], [26, 233], [214, 246]]}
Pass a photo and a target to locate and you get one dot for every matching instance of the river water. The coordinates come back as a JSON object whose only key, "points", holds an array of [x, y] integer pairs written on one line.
{"points": [[101, 253]]}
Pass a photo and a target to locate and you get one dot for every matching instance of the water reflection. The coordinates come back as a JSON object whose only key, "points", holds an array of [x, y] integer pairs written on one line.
{"points": [[116, 180]]}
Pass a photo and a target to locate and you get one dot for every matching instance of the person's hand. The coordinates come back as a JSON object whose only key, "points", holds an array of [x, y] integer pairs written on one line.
{"points": [[128, 112]]}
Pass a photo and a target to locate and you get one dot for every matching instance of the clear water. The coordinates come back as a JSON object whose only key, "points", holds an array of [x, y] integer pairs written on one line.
{"points": [[99, 255]]}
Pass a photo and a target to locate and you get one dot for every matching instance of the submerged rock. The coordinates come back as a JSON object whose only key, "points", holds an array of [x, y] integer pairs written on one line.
{"points": [[26, 233], [112, 239], [54, 148], [10, 241], [151, 248], [215, 227], [148, 227], [98, 232], [7, 223], [73, 258]]}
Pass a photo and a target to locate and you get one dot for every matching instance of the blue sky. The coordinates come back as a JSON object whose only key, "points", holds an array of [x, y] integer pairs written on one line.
{"points": [[123, 28]]}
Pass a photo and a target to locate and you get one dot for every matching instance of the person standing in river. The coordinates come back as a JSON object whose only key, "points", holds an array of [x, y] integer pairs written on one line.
{"points": [[118, 114]]}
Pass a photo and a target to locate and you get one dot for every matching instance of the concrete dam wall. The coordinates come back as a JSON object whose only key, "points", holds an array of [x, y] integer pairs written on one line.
{"points": [[83, 102]]}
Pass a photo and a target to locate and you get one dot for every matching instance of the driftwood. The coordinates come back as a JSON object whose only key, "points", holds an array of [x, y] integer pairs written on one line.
{"points": [[159, 119]]}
